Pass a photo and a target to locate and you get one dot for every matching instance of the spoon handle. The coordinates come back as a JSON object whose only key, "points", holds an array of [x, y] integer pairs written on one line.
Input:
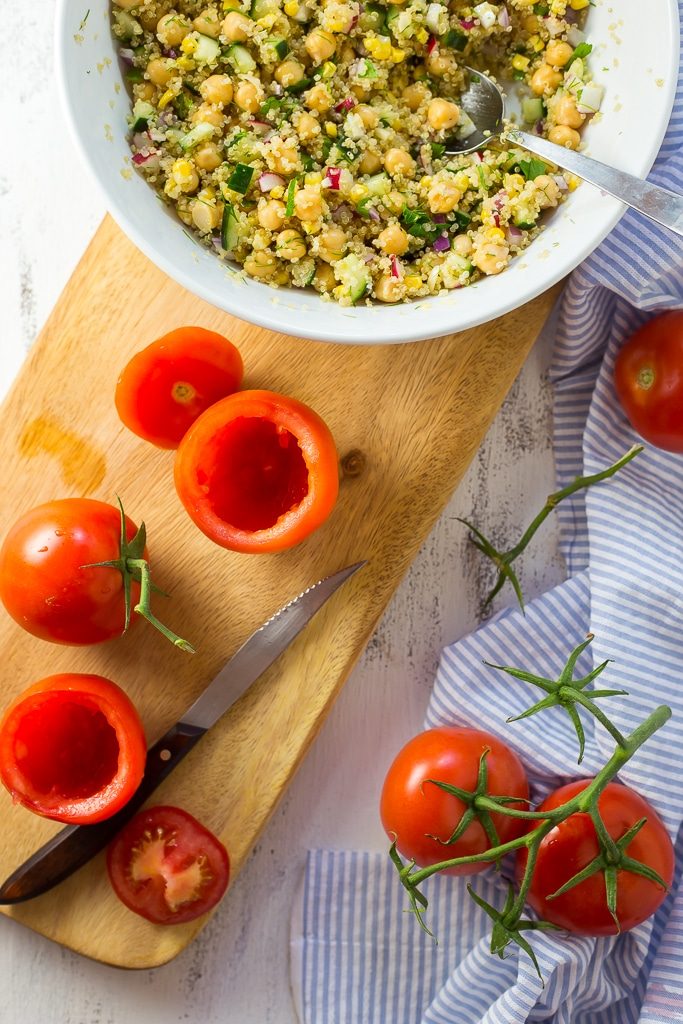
{"points": [[654, 202]]}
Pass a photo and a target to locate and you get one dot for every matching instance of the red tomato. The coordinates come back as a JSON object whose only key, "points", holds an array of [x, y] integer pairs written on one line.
{"points": [[42, 583], [166, 386], [258, 472], [412, 810], [72, 748], [648, 375], [167, 867], [573, 844]]}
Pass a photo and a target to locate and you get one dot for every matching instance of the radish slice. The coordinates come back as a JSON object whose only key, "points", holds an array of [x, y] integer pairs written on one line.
{"points": [[268, 181]]}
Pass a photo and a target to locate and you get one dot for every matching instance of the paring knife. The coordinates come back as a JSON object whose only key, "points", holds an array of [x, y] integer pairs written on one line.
{"points": [[75, 845]]}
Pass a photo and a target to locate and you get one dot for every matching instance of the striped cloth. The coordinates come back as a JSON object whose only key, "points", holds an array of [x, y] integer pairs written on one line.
{"points": [[357, 958]]}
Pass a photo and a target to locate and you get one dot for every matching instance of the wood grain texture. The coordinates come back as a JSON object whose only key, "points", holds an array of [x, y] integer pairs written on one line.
{"points": [[417, 413]]}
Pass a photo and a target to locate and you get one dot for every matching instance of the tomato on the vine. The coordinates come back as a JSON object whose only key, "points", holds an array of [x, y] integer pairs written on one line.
{"points": [[572, 845], [414, 810], [648, 375], [258, 472], [72, 748], [166, 386], [167, 867]]}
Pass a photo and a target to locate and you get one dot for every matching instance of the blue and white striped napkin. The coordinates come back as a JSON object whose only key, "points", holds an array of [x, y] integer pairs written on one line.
{"points": [[357, 958]]}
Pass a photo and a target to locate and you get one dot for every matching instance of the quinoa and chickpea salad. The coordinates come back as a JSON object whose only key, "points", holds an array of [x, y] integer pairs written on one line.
{"points": [[304, 139]]}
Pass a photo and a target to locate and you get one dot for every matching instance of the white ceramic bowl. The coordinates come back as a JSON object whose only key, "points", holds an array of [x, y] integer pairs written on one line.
{"points": [[635, 56]]}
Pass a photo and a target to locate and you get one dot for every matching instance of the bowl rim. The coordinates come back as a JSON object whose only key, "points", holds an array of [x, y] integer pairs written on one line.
{"points": [[420, 328]]}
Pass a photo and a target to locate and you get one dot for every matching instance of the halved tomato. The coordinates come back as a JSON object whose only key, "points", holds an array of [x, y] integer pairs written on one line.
{"points": [[167, 867]]}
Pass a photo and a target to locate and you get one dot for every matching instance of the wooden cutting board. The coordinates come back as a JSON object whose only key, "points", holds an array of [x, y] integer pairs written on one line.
{"points": [[407, 421]]}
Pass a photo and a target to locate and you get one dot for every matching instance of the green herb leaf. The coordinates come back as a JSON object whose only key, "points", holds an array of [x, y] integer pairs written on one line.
{"points": [[369, 69], [455, 39], [581, 51], [532, 169], [291, 192]]}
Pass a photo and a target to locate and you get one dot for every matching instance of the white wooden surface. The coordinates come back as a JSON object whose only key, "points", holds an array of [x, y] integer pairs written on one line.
{"points": [[237, 972]]}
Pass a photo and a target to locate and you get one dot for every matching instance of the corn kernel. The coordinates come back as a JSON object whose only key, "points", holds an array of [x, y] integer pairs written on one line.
{"points": [[231, 5], [536, 44], [358, 192], [328, 69], [462, 182], [397, 55], [277, 192], [520, 62], [572, 182], [578, 5], [495, 234], [337, 24], [313, 178], [514, 183], [413, 281], [379, 47], [331, 129], [422, 35], [291, 8], [189, 44], [267, 21], [185, 63], [166, 98]]}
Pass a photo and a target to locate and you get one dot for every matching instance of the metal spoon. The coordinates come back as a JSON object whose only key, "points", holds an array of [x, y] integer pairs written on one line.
{"points": [[485, 105]]}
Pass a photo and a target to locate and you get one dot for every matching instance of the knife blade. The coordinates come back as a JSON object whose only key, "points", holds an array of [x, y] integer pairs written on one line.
{"points": [[75, 845]]}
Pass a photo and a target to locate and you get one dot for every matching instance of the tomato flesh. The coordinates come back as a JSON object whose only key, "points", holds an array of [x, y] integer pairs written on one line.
{"points": [[258, 474], [72, 748], [66, 748], [573, 844], [167, 867], [414, 810], [166, 386]]}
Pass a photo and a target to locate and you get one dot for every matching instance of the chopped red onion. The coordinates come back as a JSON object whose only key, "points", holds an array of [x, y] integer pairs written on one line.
{"points": [[514, 234], [346, 104], [538, 127], [395, 267], [369, 258], [467, 23], [373, 214], [340, 212], [561, 182], [504, 17], [268, 181], [259, 126], [496, 219], [500, 199], [171, 53], [439, 218], [431, 45], [140, 159], [126, 56], [141, 140], [354, 22], [441, 244], [333, 175]]}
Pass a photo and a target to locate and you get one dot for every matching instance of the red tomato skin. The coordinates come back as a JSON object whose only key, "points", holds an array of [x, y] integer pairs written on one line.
{"points": [[411, 811], [92, 692], [192, 839], [42, 583], [572, 845], [648, 376], [145, 402], [199, 454]]}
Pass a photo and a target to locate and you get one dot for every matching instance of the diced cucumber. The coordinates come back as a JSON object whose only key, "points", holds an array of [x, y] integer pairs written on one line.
{"points": [[230, 234], [455, 39], [261, 8], [391, 16], [241, 59], [374, 17], [208, 50], [532, 109], [242, 149], [183, 104], [280, 46], [142, 112], [240, 179], [378, 185], [198, 134], [134, 75], [353, 275], [127, 25], [303, 272], [525, 216]]}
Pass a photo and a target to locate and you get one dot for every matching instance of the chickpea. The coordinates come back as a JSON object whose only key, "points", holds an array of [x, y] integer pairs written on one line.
{"points": [[393, 201], [443, 114], [282, 155], [441, 63], [398, 162], [549, 191], [415, 95], [319, 45], [530, 23], [308, 204], [290, 245], [208, 157], [318, 98], [144, 91], [389, 289], [393, 240], [271, 214], [332, 244], [127, 5], [160, 70], [260, 264], [558, 53], [205, 216], [172, 29], [370, 163], [307, 127], [290, 72], [206, 114], [249, 96], [491, 258], [564, 136], [567, 113], [149, 18], [184, 175], [216, 90], [545, 80], [443, 196], [208, 23], [462, 244], [236, 27], [368, 116], [324, 279]]}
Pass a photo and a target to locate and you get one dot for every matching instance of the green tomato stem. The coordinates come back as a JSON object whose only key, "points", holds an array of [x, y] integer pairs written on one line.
{"points": [[144, 605]]}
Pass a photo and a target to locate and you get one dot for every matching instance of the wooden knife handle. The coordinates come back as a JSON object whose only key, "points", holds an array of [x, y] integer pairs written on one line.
{"points": [[75, 845]]}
